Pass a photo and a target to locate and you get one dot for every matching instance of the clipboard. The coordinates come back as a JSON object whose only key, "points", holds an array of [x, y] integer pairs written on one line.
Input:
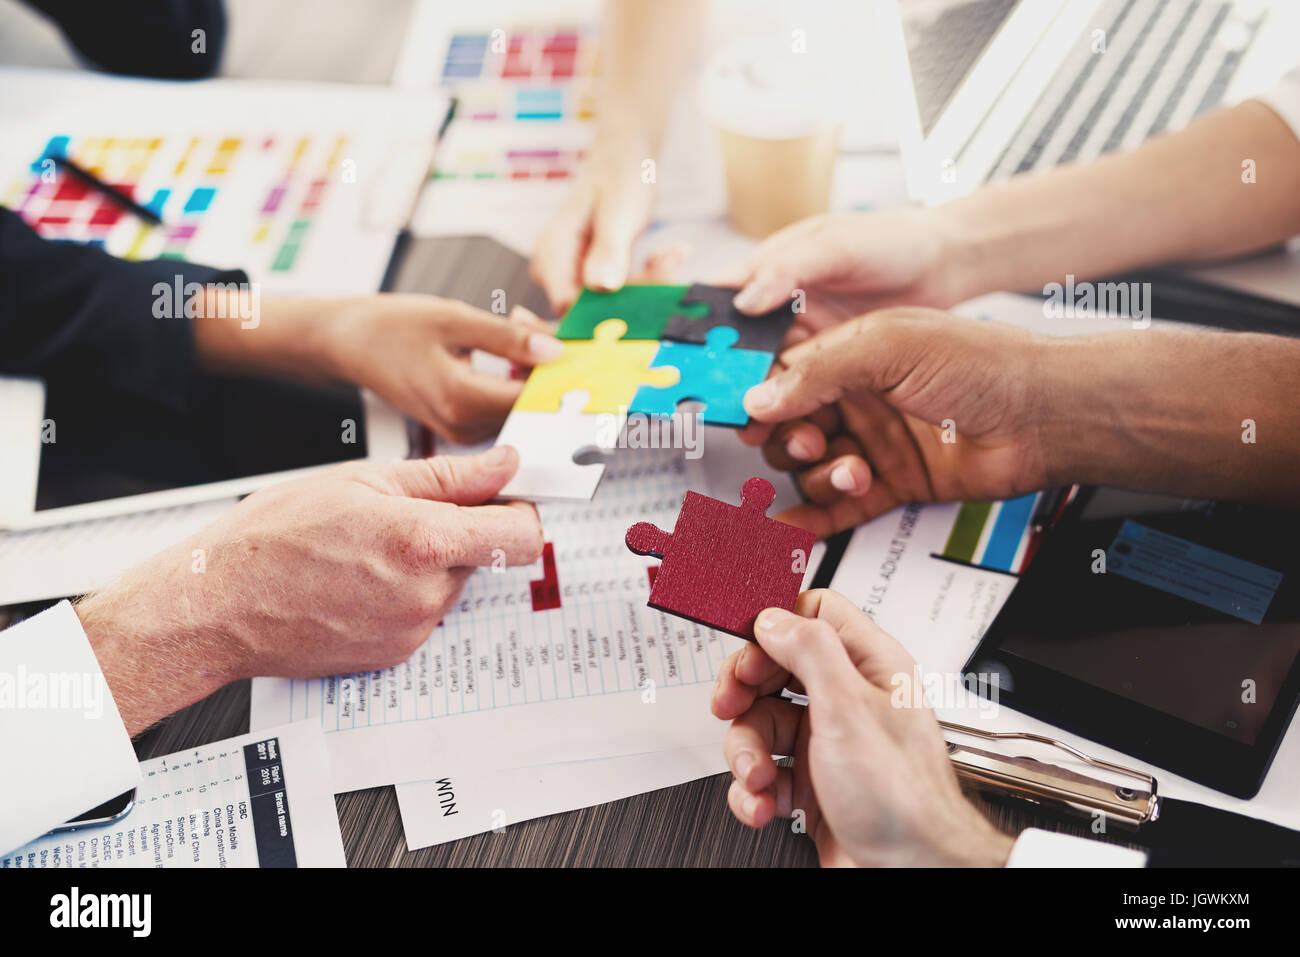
{"points": [[1125, 796]]}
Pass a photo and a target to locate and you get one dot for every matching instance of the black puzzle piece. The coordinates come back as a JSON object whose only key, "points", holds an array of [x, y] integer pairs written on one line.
{"points": [[761, 333]]}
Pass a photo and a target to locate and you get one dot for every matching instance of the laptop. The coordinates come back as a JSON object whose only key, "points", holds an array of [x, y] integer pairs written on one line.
{"points": [[1004, 87]]}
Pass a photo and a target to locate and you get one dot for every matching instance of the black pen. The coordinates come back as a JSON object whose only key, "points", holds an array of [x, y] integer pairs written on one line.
{"points": [[112, 192]]}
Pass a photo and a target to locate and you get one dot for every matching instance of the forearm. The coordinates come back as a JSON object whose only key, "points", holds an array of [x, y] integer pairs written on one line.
{"points": [[240, 333], [1177, 198], [647, 48], [156, 646], [1205, 414]]}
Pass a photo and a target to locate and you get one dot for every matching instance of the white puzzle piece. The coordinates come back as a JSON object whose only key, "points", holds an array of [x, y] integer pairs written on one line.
{"points": [[548, 443]]}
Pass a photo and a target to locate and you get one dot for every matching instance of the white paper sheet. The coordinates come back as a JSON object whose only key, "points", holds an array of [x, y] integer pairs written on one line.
{"points": [[258, 800], [499, 685], [939, 610], [67, 560], [302, 185], [449, 808]]}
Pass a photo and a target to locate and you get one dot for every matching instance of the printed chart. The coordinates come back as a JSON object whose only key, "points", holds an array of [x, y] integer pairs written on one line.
{"points": [[993, 534], [559, 661], [184, 181], [303, 186]]}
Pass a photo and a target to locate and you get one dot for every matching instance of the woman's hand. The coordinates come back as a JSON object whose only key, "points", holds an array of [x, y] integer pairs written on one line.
{"points": [[588, 242], [414, 351], [847, 264], [411, 350]]}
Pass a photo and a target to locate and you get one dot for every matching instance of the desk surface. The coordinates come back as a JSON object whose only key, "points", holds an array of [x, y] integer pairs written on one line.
{"points": [[687, 825]]}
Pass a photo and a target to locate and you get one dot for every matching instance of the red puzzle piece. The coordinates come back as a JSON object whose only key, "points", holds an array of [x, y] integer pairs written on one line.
{"points": [[546, 590], [723, 564]]}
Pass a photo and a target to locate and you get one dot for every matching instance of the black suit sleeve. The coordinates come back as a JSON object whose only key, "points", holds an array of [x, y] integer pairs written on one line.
{"points": [[143, 37], [73, 311]]}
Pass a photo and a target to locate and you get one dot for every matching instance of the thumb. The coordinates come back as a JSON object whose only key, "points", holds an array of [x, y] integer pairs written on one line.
{"points": [[874, 352], [458, 479], [810, 649]]}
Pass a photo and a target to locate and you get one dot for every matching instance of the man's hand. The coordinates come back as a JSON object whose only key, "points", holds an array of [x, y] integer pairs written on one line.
{"points": [[847, 264], [904, 405], [873, 781], [344, 571]]}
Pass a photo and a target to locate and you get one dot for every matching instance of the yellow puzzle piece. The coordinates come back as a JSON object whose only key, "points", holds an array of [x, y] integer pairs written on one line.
{"points": [[607, 369]]}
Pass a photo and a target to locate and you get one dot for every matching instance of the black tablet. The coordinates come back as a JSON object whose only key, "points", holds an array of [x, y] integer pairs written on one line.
{"points": [[1168, 629]]}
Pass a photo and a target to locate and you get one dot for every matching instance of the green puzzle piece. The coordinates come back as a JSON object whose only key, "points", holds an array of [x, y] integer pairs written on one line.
{"points": [[645, 309]]}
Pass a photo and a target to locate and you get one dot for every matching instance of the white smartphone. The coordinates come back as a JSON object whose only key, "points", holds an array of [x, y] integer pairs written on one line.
{"points": [[85, 455]]}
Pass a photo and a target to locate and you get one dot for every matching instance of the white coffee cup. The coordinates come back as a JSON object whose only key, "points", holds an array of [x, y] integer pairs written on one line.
{"points": [[778, 113]]}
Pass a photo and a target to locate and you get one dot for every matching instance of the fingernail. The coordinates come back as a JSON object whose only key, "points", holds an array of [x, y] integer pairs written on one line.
{"points": [[544, 348], [842, 478], [523, 312], [799, 448], [761, 396], [748, 298], [603, 275], [751, 805], [744, 764], [769, 618], [496, 455]]}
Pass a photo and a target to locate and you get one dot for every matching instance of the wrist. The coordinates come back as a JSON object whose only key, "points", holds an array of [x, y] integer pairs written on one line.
{"points": [[1090, 425], [157, 640], [976, 843], [962, 254], [284, 337]]}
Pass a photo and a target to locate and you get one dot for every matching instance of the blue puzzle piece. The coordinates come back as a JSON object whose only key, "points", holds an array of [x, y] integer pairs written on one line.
{"points": [[714, 374]]}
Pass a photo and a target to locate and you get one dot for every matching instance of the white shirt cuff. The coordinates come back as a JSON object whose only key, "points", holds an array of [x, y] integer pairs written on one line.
{"points": [[1035, 848], [63, 746], [1284, 100]]}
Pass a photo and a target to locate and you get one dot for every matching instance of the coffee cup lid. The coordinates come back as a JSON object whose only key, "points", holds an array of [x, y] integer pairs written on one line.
{"points": [[762, 88]]}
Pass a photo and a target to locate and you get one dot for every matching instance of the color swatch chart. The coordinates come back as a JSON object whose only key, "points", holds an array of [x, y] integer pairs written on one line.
{"points": [[223, 199], [480, 161], [526, 73], [993, 534], [575, 625]]}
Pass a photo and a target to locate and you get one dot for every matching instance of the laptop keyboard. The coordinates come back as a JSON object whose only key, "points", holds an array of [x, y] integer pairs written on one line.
{"points": [[1165, 62]]}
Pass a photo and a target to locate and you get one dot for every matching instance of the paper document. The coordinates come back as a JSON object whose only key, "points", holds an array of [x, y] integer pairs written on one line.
{"points": [[258, 800], [67, 560], [434, 812], [560, 661], [304, 186]]}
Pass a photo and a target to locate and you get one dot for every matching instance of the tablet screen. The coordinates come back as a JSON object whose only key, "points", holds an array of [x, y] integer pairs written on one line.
{"points": [[108, 445], [1182, 614]]}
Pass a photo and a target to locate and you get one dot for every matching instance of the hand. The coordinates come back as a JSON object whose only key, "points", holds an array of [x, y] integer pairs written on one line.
{"points": [[906, 405], [413, 351], [872, 779], [847, 264], [589, 241], [347, 570]]}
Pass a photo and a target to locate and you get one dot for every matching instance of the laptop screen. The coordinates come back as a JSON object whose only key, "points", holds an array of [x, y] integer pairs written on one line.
{"points": [[944, 39]]}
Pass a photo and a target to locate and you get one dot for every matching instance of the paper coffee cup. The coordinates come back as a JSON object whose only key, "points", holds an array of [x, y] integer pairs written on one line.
{"points": [[778, 115]]}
